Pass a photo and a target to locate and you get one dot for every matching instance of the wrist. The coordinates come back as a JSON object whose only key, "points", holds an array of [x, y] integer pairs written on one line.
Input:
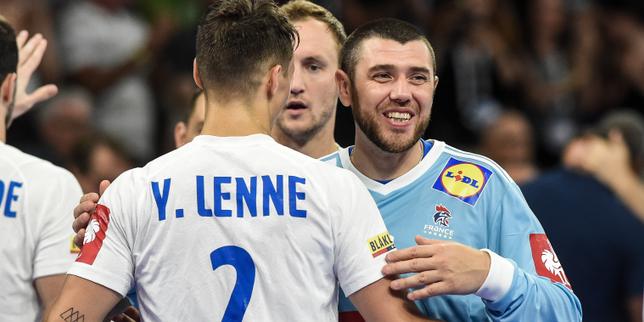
{"points": [[499, 278]]}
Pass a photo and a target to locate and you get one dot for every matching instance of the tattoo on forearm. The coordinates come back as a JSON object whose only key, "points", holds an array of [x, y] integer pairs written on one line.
{"points": [[72, 316]]}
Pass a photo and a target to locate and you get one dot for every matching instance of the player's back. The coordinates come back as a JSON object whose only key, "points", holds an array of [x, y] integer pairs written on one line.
{"points": [[36, 200], [241, 225]]}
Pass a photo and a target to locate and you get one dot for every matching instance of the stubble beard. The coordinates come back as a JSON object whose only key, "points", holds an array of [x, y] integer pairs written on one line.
{"points": [[302, 136], [369, 126]]}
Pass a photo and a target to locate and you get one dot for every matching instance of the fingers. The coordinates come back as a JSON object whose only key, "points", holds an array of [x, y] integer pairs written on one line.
{"points": [[29, 65], [21, 38], [103, 185], [132, 313], [81, 222], [413, 265], [412, 252], [434, 289], [27, 102], [79, 237], [417, 280], [25, 52], [86, 205]]}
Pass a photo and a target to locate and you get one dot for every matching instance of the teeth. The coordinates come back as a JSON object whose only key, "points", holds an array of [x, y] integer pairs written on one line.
{"points": [[399, 117]]}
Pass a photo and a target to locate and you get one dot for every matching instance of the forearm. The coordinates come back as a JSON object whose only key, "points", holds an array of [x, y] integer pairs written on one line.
{"points": [[82, 300]]}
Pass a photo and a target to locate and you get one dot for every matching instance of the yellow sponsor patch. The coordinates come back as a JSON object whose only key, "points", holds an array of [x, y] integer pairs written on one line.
{"points": [[72, 247], [463, 180], [381, 244]]}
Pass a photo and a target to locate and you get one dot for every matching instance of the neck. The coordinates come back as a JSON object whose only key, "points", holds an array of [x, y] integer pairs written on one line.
{"points": [[377, 164], [320, 144], [236, 118]]}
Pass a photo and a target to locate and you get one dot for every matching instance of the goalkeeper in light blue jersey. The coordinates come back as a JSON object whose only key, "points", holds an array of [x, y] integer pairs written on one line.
{"points": [[470, 248]]}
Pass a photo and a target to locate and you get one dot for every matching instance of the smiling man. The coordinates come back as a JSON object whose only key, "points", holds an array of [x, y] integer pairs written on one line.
{"points": [[460, 222]]}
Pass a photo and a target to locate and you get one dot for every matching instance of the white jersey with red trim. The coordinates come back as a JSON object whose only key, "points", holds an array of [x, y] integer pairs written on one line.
{"points": [[463, 197], [235, 228], [36, 204]]}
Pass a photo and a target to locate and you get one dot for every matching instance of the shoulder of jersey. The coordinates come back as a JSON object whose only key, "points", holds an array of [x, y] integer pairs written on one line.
{"points": [[467, 176], [477, 159], [32, 166]]}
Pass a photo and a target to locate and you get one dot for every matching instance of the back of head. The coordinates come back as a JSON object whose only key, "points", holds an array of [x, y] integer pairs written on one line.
{"points": [[388, 28], [8, 49], [297, 10], [631, 125], [240, 39]]}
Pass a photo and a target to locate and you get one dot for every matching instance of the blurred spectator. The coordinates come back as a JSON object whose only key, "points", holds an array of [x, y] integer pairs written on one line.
{"points": [[99, 158], [618, 141], [63, 122], [106, 49], [598, 238], [549, 93], [508, 140], [479, 73]]}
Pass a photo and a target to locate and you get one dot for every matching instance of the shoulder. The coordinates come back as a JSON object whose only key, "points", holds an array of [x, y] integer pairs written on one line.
{"points": [[34, 169], [488, 167]]}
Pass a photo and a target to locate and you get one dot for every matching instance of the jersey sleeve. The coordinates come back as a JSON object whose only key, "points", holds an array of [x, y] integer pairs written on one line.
{"points": [[539, 287], [361, 239], [54, 252], [106, 257]]}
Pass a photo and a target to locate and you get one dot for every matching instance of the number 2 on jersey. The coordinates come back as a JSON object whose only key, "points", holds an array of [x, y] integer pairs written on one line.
{"points": [[238, 258]]}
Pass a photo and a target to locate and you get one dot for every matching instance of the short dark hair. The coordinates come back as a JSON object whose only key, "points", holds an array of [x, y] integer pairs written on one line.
{"points": [[8, 49], [237, 38], [387, 28]]}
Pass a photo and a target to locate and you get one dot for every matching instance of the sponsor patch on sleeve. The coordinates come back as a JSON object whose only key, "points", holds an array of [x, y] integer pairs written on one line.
{"points": [[381, 244], [94, 235], [72, 247], [545, 260], [463, 180]]}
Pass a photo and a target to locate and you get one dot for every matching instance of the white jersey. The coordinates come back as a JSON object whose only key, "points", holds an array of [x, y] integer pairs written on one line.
{"points": [[232, 228], [36, 204]]}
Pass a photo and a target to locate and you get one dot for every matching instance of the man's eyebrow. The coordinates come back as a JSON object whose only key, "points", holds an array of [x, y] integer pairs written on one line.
{"points": [[420, 70], [381, 67], [314, 59]]}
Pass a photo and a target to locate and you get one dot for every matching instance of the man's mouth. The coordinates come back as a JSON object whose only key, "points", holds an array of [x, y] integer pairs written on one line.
{"points": [[398, 117], [295, 106]]}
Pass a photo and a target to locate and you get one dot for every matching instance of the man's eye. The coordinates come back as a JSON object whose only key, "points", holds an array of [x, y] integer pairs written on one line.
{"points": [[381, 77], [418, 79], [314, 68]]}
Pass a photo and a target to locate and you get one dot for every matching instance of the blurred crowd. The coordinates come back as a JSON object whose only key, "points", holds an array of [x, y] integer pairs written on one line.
{"points": [[518, 79]]}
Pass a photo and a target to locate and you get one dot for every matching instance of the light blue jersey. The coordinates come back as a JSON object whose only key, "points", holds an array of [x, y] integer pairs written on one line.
{"points": [[466, 198]]}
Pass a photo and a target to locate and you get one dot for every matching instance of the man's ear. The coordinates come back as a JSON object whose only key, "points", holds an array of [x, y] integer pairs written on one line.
{"points": [[273, 80], [7, 89], [435, 81], [344, 87], [180, 131], [195, 74]]}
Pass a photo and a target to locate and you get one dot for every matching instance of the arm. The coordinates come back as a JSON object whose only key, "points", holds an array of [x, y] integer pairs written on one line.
{"points": [[377, 302], [48, 288], [78, 301]]}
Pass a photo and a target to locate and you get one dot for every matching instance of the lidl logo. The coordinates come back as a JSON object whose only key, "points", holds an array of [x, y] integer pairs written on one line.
{"points": [[463, 180], [380, 244]]}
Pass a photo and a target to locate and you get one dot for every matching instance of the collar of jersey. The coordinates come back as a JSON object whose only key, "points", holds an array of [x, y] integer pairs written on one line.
{"points": [[395, 184], [233, 140]]}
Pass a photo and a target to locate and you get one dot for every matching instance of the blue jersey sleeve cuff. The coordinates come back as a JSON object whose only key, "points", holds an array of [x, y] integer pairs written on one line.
{"points": [[499, 278]]}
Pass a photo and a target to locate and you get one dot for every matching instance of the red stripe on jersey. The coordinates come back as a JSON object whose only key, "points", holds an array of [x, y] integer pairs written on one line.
{"points": [[97, 227], [350, 317], [545, 260]]}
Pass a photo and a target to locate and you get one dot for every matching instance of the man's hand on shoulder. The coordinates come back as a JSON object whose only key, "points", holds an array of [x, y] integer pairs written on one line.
{"points": [[82, 212]]}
